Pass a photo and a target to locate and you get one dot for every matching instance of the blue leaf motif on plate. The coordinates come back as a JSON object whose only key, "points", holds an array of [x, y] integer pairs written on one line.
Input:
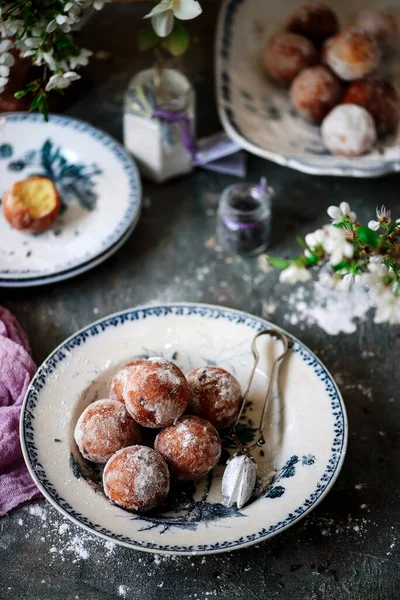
{"points": [[288, 470], [5, 150], [74, 180]]}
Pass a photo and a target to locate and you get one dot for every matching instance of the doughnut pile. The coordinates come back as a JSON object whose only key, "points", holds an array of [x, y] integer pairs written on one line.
{"points": [[155, 426], [333, 75]]}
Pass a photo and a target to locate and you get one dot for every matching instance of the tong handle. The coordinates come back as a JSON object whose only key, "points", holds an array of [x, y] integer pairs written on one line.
{"points": [[287, 344]]}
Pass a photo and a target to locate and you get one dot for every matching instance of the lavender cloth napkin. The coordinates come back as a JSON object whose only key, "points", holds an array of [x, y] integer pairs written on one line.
{"points": [[16, 371]]}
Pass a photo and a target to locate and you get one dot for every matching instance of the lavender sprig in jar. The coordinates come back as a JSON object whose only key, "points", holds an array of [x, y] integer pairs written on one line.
{"points": [[244, 217]]}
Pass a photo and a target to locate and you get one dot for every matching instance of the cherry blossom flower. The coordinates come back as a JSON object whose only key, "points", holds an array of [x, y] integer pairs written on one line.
{"points": [[337, 246], [61, 80], [338, 212], [163, 14]]}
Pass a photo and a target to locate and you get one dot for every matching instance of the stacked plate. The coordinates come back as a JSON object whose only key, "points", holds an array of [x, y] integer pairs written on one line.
{"points": [[100, 190]]}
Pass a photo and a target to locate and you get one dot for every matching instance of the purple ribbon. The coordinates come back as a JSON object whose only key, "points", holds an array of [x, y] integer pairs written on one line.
{"points": [[236, 226], [185, 124]]}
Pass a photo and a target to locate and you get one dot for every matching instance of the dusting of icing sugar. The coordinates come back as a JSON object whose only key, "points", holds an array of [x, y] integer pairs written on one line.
{"points": [[65, 540], [123, 590], [137, 476], [332, 310], [161, 390], [222, 386], [103, 428]]}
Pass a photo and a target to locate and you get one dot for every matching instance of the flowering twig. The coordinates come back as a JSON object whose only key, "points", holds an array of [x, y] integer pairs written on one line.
{"points": [[353, 254], [41, 31]]}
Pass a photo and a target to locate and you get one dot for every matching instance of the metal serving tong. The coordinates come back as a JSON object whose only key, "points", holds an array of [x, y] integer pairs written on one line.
{"points": [[240, 473]]}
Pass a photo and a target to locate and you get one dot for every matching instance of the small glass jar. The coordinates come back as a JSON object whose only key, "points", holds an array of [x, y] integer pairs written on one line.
{"points": [[159, 123], [244, 216]]}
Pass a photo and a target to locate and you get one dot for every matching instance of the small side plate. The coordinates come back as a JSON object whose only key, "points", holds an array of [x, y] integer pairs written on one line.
{"points": [[99, 186]]}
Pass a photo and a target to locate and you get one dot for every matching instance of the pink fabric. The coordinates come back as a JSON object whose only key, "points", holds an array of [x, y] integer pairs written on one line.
{"points": [[16, 371]]}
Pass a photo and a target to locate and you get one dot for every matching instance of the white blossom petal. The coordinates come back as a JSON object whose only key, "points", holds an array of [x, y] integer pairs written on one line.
{"points": [[7, 59], [160, 8], [52, 26], [314, 239], [4, 71], [345, 208], [163, 23], [348, 250], [374, 225], [98, 4], [49, 60], [334, 212], [184, 10], [294, 274], [327, 281], [5, 45]]}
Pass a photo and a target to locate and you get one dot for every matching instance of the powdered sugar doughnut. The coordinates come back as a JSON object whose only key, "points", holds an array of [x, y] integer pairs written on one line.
{"points": [[155, 392], [349, 130], [118, 383], [136, 478], [191, 448], [215, 395], [351, 54], [103, 428], [380, 25], [314, 92], [286, 54], [314, 20], [380, 98]]}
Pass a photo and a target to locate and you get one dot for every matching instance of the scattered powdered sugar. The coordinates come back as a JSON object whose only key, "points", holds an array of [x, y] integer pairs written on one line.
{"points": [[38, 511], [334, 311], [123, 590], [65, 541], [333, 526]]}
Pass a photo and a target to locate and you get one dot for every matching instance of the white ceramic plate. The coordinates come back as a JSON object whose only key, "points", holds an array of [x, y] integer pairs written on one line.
{"points": [[98, 183], [257, 114], [306, 433], [36, 281]]}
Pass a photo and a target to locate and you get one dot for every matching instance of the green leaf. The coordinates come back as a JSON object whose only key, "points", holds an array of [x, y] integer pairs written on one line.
{"points": [[341, 265], [21, 93], [393, 226], [302, 243], [396, 288], [278, 263], [178, 41], [367, 236], [147, 38]]}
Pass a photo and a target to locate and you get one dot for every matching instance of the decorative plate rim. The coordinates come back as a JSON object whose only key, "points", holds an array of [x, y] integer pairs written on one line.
{"points": [[234, 132], [164, 309], [130, 169], [70, 273]]}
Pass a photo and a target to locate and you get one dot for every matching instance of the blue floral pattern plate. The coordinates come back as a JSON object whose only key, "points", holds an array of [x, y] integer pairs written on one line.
{"points": [[99, 187], [306, 431], [257, 114]]}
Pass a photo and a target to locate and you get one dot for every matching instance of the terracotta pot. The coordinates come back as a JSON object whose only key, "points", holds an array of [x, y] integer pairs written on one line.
{"points": [[21, 73]]}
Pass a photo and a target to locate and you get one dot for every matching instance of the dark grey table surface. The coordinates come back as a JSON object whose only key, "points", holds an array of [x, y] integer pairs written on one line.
{"points": [[348, 547]]}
